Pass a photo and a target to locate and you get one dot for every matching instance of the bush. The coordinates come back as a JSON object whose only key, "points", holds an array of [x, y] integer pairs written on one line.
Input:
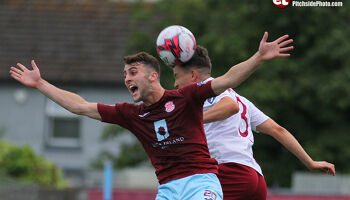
{"points": [[23, 164]]}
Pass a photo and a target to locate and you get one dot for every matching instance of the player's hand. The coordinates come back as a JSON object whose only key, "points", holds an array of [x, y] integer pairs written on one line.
{"points": [[25, 76], [323, 167], [270, 50]]}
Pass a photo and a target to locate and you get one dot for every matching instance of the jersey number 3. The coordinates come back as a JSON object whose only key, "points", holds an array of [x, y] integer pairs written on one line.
{"points": [[244, 118]]}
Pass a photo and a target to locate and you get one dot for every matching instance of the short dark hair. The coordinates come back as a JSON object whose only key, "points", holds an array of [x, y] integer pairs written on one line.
{"points": [[199, 60], [144, 58]]}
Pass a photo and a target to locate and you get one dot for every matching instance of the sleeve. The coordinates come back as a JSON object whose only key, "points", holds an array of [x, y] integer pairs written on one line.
{"points": [[198, 92], [227, 93], [114, 114], [257, 117]]}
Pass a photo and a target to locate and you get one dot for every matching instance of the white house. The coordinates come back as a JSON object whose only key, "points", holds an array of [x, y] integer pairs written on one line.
{"points": [[78, 47]]}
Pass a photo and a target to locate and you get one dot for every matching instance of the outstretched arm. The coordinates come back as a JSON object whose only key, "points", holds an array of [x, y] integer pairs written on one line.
{"points": [[241, 71], [70, 101], [271, 128], [221, 110]]}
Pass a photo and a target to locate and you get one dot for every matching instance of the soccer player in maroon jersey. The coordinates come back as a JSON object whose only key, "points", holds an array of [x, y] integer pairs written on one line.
{"points": [[229, 135], [169, 123]]}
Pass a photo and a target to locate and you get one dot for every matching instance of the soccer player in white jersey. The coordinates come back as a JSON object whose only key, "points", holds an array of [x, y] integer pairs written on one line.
{"points": [[230, 139]]}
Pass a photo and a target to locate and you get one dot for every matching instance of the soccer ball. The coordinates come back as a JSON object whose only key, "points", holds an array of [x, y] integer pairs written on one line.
{"points": [[176, 45]]}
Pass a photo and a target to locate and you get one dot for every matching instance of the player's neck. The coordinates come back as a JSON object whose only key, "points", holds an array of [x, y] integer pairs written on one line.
{"points": [[156, 92], [203, 78]]}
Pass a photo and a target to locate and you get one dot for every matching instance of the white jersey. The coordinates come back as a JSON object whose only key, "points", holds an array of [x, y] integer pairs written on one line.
{"points": [[231, 140]]}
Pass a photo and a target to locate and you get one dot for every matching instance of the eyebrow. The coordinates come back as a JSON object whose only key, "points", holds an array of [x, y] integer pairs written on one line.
{"points": [[131, 68]]}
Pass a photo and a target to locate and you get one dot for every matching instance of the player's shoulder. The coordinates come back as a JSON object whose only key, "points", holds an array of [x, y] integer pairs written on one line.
{"points": [[227, 93], [242, 98], [190, 87], [173, 93], [129, 107], [249, 104], [128, 104]]}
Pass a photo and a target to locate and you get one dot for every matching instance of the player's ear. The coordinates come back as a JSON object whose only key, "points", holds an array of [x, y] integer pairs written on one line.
{"points": [[194, 75], [153, 76]]}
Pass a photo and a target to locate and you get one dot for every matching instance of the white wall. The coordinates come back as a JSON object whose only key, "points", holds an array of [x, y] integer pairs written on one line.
{"points": [[314, 183]]}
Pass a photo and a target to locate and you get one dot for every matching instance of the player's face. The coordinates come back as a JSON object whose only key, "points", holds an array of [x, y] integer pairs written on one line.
{"points": [[136, 80], [182, 77]]}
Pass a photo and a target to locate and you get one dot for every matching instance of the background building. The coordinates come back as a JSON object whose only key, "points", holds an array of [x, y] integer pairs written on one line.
{"points": [[78, 46]]}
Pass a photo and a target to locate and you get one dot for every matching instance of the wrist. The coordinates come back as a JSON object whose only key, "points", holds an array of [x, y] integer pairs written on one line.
{"points": [[40, 83], [309, 164], [258, 58]]}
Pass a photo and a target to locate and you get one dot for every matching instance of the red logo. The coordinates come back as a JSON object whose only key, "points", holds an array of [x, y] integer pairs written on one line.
{"points": [[281, 3], [209, 195], [169, 106]]}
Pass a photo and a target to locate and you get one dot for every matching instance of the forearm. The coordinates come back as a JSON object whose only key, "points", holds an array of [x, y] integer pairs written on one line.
{"points": [[289, 142], [237, 74], [212, 116], [223, 109], [283, 136], [66, 99], [240, 72]]}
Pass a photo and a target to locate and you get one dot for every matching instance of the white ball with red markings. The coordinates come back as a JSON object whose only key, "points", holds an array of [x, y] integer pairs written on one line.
{"points": [[176, 45]]}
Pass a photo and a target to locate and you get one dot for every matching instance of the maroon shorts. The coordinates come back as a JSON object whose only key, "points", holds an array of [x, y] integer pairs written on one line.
{"points": [[241, 182]]}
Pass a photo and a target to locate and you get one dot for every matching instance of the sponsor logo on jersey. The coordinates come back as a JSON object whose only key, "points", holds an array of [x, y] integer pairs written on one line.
{"points": [[161, 129], [169, 106], [211, 100], [165, 143], [144, 114]]}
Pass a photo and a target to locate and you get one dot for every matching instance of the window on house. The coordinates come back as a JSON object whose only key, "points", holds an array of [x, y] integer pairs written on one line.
{"points": [[63, 127]]}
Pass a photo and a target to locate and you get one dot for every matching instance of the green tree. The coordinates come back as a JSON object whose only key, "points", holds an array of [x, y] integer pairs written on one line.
{"points": [[131, 154], [23, 164], [308, 93]]}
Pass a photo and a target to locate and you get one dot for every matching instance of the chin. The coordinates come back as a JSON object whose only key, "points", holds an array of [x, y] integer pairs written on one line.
{"points": [[136, 99]]}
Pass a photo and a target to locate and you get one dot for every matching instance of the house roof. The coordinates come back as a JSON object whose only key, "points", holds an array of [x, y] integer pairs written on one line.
{"points": [[70, 42]]}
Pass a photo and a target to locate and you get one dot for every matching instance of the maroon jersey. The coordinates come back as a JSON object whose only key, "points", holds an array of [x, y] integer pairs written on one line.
{"points": [[171, 130]]}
